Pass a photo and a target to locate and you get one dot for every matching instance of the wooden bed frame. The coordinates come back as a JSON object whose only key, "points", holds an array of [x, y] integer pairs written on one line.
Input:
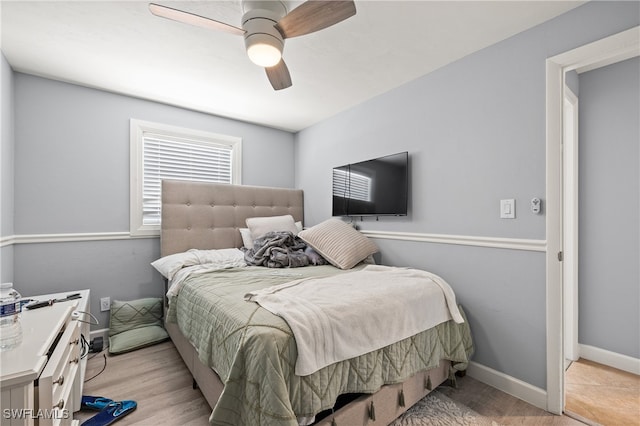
{"points": [[208, 216]]}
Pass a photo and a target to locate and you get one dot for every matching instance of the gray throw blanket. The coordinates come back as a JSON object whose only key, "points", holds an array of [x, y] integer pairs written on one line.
{"points": [[281, 249]]}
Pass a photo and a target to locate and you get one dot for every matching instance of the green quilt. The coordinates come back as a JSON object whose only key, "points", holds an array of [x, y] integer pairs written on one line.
{"points": [[254, 351]]}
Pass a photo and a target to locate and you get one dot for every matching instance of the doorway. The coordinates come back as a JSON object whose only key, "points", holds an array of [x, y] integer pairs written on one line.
{"points": [[607, 51], [570, 117], [608, 146]]}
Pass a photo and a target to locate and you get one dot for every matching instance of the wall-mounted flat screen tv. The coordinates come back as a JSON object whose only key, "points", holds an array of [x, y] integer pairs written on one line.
{"points": [[377, 187]]}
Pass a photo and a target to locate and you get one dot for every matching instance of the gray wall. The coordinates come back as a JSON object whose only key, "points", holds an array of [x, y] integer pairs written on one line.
{"points": [[475, 132], [6, 166], [72, 176], [609, 164]]}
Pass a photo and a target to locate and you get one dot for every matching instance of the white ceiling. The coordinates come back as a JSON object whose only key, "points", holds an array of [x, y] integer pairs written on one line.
{"points": [[121, 47]]}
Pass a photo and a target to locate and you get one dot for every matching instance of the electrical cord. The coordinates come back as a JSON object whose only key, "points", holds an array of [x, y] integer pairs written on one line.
{"points": [[86, 345], [104, 367], [84, 350], [88, 322]]}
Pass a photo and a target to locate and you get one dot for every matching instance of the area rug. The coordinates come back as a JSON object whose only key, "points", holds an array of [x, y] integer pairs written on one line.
{"points": [[436, 409]]}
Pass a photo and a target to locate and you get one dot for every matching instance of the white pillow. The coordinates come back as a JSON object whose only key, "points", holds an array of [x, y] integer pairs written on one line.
{"points": [[168, 266], [261, 225], [248, 236], [247, 241], [339, 243]]}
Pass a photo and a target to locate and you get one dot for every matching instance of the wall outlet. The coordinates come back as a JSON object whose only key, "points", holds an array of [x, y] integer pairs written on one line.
{"points": [[105, 304]]}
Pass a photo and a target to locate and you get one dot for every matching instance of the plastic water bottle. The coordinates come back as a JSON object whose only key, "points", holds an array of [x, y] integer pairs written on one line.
{"points": [[10, 327]]}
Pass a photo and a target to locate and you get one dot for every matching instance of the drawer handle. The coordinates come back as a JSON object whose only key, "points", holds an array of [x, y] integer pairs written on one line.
{"points": [[60, 381], [74, 361], [59, 405]]}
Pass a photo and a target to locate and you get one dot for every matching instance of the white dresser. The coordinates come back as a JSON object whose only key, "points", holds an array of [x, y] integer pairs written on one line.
{"points": [[42, 379]]}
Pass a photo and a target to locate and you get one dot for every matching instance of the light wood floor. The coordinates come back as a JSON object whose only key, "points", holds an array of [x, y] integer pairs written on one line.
{"points": [[500, 407], [602, 394], [158, 380]]}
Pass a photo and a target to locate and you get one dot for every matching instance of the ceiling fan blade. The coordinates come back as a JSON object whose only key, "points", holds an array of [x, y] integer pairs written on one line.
{"points": [[193, 19], [279, 76], [314, 15]]}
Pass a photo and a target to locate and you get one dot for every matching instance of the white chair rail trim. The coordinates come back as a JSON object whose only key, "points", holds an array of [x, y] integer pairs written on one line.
{"points": [[490, 242], [67, 237], [465, 240]]}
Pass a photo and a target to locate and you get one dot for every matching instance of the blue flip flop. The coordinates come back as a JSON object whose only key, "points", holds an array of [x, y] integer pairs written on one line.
{"points": [[94, 402], [112, 412]]}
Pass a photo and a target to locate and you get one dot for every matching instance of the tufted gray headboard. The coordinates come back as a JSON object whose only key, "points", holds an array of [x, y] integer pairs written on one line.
{"points": [[207, 215]]}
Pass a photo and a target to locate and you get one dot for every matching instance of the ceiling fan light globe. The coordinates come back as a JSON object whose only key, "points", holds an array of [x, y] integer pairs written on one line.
{"points": [[264, 54], [264, 49]]}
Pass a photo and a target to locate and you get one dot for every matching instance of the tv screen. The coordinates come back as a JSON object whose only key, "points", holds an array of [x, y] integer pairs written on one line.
{"points": [[377, 187]]}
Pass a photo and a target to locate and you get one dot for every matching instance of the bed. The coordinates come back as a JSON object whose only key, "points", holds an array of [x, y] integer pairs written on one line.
{"points": [[243, 357]]}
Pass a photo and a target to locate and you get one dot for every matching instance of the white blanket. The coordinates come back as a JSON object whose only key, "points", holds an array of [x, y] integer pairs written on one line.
{"points": [[351, 314]]}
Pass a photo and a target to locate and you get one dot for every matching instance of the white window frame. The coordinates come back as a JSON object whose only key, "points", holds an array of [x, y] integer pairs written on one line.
{"points": [[138, 129]]}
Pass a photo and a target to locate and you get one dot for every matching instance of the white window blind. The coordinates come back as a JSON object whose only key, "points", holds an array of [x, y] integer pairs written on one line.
{"points": [[351, 185], [172, 158], [164, 152]]}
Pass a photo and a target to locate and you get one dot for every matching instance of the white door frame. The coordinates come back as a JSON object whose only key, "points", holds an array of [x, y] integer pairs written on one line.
{"points": [[603, 52], [570, 225]]}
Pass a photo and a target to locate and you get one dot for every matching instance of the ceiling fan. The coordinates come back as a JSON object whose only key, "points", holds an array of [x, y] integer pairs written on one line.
{"points": [[265, 26]]}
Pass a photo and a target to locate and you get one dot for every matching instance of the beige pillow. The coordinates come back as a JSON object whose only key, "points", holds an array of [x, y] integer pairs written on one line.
{"points": [[261, 225], [339, 243]]}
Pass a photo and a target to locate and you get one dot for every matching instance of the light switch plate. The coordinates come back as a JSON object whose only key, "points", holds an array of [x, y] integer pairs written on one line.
{"points": [[508, 209]]}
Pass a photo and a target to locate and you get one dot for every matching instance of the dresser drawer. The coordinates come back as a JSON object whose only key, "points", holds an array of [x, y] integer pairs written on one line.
{"points": [[54, 387]]}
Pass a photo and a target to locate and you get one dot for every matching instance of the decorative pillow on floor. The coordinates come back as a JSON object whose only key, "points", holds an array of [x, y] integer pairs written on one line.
{"points": [[135, 324]]}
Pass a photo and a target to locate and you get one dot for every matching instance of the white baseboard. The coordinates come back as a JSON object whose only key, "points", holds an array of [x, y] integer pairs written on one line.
{"points": [[508, 384], [611, 359]]}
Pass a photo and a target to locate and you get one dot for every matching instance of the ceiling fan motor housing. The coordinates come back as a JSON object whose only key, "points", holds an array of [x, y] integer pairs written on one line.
{"points": [[262, 37]]}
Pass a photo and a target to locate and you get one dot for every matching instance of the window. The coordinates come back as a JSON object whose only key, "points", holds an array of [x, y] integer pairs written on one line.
{"points": [[161, 152]]}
